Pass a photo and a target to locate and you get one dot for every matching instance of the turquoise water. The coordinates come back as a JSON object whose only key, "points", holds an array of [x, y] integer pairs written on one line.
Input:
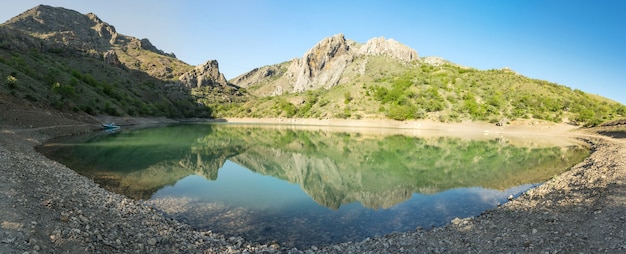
{"points": [[307, 186]]}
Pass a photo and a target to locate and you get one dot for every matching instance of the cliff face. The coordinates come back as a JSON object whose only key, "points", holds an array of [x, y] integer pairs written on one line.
{"points": [[207, 74], [62, 28], [322, 66], [381, 47]]}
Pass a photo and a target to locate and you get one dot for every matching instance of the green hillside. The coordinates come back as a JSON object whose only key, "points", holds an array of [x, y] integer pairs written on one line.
{"points": [[78, 83], [443, 92], [52, 57], [57, 58]]}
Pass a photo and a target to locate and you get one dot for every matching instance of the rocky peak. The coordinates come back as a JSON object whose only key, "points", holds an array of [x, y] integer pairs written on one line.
{"points": [[64, 28], [206, 74], [390, 47], [322, 65], [60, 26]]}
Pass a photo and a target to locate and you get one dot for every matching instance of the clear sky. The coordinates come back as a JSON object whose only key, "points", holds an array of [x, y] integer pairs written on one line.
{"points": [[580, 44]]}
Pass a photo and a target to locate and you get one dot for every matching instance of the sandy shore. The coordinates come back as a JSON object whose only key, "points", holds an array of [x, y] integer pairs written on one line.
{"points": [[519, 127], [48, 208]]}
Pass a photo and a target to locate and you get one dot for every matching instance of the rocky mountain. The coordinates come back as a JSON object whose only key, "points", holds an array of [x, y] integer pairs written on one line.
{"points": [[70, 32], [73, 61], [323, 65], [382, 78], [207, 74], [59, 58]]}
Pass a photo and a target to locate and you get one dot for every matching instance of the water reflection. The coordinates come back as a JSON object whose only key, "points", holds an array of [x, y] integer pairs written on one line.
{"points": [[258, 181]]}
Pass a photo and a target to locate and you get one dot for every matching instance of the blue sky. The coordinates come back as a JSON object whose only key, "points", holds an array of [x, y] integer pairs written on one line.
{"points": [[580, 44]]}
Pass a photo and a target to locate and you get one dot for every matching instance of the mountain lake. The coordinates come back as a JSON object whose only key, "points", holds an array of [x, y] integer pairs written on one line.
{"points": [[304, 185]]}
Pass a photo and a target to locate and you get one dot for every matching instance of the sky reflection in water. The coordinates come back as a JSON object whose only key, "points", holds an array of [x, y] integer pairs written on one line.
{"points": [[312, 187]]}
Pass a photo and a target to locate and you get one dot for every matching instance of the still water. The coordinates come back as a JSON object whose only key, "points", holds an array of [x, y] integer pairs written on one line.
{"points": [[313, 186]]}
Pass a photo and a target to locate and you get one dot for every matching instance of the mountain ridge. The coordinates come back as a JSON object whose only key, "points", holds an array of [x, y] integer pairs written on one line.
{"points": [[323, 64], [382, 78], [57, 51], [52, 56]]}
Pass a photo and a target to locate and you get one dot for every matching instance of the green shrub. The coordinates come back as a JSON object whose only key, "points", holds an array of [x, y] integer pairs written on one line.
{"points": [[11, 81]]}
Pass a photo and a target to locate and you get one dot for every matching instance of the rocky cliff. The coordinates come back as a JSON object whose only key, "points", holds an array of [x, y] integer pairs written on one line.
{"points": [[207, 74], [68, 32], [64, 28], [322, 66]]}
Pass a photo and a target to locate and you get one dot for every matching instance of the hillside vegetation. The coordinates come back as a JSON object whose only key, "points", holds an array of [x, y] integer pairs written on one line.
{"points": [[57, 58], [441, 91], [87, 84], [52, 57]]}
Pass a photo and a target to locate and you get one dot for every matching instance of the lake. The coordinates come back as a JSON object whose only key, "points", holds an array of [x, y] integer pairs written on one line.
{"points": [[304, 186]]}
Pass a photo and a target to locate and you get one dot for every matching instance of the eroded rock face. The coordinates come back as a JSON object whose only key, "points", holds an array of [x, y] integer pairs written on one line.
{"points": [[206, 74], [322, 65], [379, 46], [63, 27], [110, 57]]}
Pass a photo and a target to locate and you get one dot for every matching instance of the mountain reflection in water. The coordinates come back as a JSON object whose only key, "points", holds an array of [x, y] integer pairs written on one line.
{"points": [[339, 170]]}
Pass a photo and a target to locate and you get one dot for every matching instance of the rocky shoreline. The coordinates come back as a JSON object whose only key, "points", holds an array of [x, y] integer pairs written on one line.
{"points": [[48, 208]]}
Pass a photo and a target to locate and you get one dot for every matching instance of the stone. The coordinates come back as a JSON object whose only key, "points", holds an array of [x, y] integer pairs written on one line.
{"points": [[381, 46], [110, 57], [322, 65], [206, 74], [68, 32], [152, 241]]}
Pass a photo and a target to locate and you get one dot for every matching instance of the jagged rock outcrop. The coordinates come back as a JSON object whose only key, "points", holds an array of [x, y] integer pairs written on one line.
{"points": [[110, 57], [64, 28], [379, 46], [322, 65], [206, 74], [60, 27], [72, 33]]}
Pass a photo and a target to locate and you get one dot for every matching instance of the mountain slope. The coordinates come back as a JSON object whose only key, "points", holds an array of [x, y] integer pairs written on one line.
{"points": [[321, 66], [339, 78], [67, 31], [51, 56]]}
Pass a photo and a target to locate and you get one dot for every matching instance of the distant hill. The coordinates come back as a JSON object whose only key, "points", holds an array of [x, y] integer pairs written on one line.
{"points": [[340, 78], [52, 56]]}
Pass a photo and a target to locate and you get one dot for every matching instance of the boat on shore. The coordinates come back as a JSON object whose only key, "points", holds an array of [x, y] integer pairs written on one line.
{"points": [[110, 126]]}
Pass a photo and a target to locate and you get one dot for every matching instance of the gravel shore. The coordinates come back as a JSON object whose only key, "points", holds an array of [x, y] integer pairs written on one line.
{"points": [[46, 207]]}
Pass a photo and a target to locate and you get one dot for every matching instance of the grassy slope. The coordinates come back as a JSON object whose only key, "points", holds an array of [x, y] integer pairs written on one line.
{"points": [[447, 93], [71, 81]]}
